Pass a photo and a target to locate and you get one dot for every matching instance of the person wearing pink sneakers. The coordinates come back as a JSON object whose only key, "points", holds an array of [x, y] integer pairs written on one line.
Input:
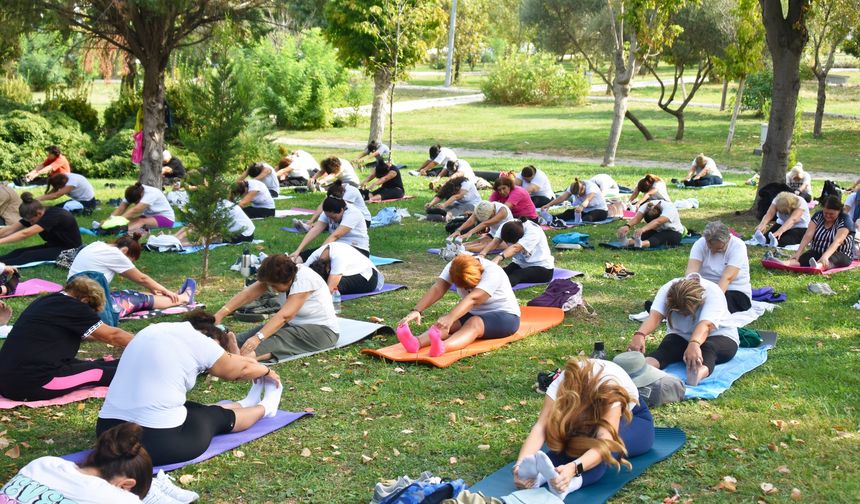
{"points": [[487, 309]]}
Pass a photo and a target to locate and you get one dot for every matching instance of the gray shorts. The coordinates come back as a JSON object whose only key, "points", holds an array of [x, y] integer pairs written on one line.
{"points": [[292, 340]]}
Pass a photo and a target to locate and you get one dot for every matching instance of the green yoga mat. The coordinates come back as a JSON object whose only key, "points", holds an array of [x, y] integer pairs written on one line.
{"points": [[667, 440]]}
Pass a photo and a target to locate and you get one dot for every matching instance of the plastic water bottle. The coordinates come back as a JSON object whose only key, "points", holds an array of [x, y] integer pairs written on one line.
{"points": [[598, 352], [335, 300], [245, 266]]}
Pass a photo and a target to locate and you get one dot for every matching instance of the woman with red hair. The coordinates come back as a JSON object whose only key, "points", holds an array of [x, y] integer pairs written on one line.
{"points": [[487, 308]]}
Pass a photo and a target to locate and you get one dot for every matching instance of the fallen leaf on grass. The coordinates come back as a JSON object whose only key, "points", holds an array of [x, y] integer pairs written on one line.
{"points": [[783, 469], [306, 452], [481, 396], [728, 483], [238, 453], [452, 460], [186, 479], [396, 452], [14, 452], [365, 459], [458, 401], [483, 447], [399, 370], [326, 389], [768, 489], [3, 443], [733, 437], [779, 424], [452, 417], [795, 494]]}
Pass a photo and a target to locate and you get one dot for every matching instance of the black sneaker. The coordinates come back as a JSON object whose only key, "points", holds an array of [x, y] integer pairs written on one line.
{"points": [[676, 181], [545, 379]]}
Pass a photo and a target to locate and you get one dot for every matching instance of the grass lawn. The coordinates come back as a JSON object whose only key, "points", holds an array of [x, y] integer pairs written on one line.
{"points": [[411, 418]]}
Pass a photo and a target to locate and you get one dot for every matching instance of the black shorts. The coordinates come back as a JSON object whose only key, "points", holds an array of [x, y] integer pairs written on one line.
{"points": [[496, 325], [715, 350]]}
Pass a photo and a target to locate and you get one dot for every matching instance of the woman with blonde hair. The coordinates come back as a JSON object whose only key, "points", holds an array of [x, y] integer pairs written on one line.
{"points": [[800, 182], [588, 202], [591, 418], [792, 219], [694, 309], [487, 309]]}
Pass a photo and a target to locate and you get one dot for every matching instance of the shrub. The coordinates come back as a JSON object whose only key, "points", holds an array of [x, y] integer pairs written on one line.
{"points": [[41, 61], [24, 136], [122, 112], [758, 90], [16, 90], [522, 79], [76, 105]]}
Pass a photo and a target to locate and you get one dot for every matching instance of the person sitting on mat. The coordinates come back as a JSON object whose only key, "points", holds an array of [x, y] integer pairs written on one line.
{"points": [[388, 181], [240, 227], [118, 258], [800, 181], [76, 186], [296, 168], [171, 167], [345, 269], [703, 172], [588, 202], [488, 308], [649, 187], [608, 186], [537, 184], [514, 197], [346, 192], [694, 309], [457, 197], [157, 370], [345, 224], [438, 161], [662, 226], [118, 470], [527, 245], [592, 418], [489, 217], [792, 219], [56, 226], [334, 169], [375, 151], [254, 198], [830, 238], [721, 258], [265, 173], [54, 164], [10, 201], [145, 206], [306, 321], [38, 360]]}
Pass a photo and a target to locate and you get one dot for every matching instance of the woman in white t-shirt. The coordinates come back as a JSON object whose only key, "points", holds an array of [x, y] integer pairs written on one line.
{"points": [[592, 418], [345, 269], [348, 193], [587, 200], [118, 470], [800, 182], [345, 224], [158, 369], [792, 219], [488, 308], [240, 227], [439, 159], [254, 198], [608, 186], [265, 173], [74, 185], [306, 321], [489, 217], [334, 169], [722, 258], [527, 246], [456, 198], [662, 226], [295, 169], [377, 151], [145, 206], [537, 184], [695, 310], [649, 187], [117, 258], [703, 172]]}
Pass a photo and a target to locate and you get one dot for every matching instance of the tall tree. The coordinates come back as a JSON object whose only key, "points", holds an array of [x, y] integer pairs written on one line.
{"points": [[470, 38], [786, 34], [830, 23], [385, 38]]}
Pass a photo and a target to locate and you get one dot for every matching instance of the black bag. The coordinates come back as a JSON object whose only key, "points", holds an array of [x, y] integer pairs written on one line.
{"points": [[830, 189], [766, 195], [454, 224]]}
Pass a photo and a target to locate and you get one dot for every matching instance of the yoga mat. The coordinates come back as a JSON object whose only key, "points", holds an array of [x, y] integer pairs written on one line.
{"points": [[437, 251], [222, 443], [193, 249], [724, 184], [32, 264], [769, 264], [148, 314], [595, 223], [34, 287], [282, 197], [351, 331], [385, 288], [383, 261], [533, 319], [744, 318], [557, 274], [292, 229], [408, 196], [667, 440], [77, 395], [619, 245], [293, 212]]}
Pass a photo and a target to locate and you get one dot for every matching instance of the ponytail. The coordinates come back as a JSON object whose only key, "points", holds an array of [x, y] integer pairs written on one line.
{"points": [[205, 324], [29, 206], [131, 243]]}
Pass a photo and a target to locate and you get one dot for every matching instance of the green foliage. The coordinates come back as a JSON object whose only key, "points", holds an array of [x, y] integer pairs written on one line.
{"points": [[122, 112], [24, 136], [473, 18], [758, 92], [75, 104], [796, 135], [745, 55], [41, 61], [521, 79], [806, 72], [16, 90]]}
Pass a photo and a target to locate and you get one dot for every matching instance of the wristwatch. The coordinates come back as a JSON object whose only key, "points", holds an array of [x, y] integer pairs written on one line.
{"points": [[579, 468], [260, 336]]}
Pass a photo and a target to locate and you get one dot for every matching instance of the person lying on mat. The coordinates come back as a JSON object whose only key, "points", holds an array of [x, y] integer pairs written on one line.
{"points": [[38, 360], [649, 187], [662, 226], [373, 154], [587, 200], [388, 182], [489, 217], [694, 309], [526, 244], [145, 205], [240, 227], [306, 321], [296, 168], [792, 219], [800, 182], [118, 258], [345, 269], [592, 418], [334, 169], [346, 192], [537, 184], [703, 172], [265, 173], [488, 308], [157, 370], [439, 159], [118, 470], [345, 224], [514, 197], [721, 258], [254, 198], [55, 225], [456, 198], [73, 185], [830, 238]]}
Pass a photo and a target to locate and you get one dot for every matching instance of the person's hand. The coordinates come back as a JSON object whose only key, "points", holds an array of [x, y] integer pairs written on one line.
{"points": [[250, 345], [778, 234], [822, 261], [411, 316], [174, 297], [294, 256], [693, 355], [497, 259], [622, 231], [761, 227], [637, 343], [444, 325], [273, 377], [10, 270], [578, 209], [522, 483], [5, 313], [543, 208], [427, 205], [566, 473], [455, 234], [363, 186], [637, 233]]}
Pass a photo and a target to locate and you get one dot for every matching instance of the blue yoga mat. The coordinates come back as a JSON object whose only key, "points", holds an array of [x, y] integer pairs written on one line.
{"points": [[724, 375], [619, 245], [193, 249], [595, 223], [666, 442], [385, 288], [382, 261]]}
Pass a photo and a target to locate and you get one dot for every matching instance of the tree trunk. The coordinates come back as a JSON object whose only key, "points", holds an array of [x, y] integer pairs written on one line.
{"points": [[153, 122], [381, 88], [457, 69], [725, 92], [679, 116], [819, 104], [683, 88], [621, 93], [641, 127], [735, 112]]}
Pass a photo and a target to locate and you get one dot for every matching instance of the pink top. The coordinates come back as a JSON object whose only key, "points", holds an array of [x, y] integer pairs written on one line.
{"points": [[519, 201]]}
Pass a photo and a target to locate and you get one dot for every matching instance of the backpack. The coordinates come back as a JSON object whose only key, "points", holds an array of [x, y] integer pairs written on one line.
{"points": [[830, 189], [67, 257], [766, 195], [560, 293]]}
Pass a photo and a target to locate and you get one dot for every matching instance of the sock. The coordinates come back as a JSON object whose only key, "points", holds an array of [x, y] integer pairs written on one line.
{"points": [[693, 375], [272, 398], [772, 241], [547, 470], [759, 237], [813, 263], [254, 395], [637, 242], [437, 346], [409, 342], [528, 468], [577, 218]]}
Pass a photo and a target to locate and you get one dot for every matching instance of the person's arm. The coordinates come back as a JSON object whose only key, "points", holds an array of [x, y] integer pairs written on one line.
{"points": [[807, 238], [242, 176], [338, 233], [135, 211], [633, 195], [234, 367], [315, 231], [10, 229], [491, 246], [456, 197], [427, 166], [333, 282], [789, 222], [768, 217], [22, 233], [654, 224], [138, 277], [534, 441], [278, 320], [316, 216], [854, 185], [247, 198], [623, 230], [284, 172], [834, 246], [120, 209], [111, 335], [586, 201], [649, 325], [40, 169], [370, 176], [56, 194], [693, 353], [703, 173], [804, 187], [509, 252], [468, 223], [388, 176], [691, 171], [694, 266], [729, 275], [263, 174], [435, 293], [469, 301], [433, 202], [243, 297], [558, 199]]}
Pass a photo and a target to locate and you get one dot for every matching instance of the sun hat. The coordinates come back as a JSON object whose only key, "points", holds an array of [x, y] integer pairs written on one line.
{"points": [[484, 211], [634, 364], [655, 386]]}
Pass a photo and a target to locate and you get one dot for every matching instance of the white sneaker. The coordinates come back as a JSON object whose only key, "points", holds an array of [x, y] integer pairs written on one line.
{"points": [[694, 202], [157, 496], [414, 173], [813, 263], [164, 483]]}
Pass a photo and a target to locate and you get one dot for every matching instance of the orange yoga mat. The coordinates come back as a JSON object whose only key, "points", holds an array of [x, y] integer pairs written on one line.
{"points": [[534, 319]]}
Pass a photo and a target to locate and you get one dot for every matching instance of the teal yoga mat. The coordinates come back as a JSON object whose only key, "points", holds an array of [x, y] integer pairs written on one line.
{"points": [[667, 440], [687, 240]]}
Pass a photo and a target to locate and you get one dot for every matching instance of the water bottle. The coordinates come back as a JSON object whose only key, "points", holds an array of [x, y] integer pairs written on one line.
{"points": [[335, 300], [598, 352], [245, 266]]}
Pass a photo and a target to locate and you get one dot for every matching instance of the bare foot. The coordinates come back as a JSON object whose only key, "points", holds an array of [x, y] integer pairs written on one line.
{"points": [[232, 344], [5, 313]]}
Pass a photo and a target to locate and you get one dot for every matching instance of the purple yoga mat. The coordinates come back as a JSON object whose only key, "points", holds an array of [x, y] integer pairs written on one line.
{"points": [[557, 274], [220, 444], [292, 230], [385, 288], [34, 287]]}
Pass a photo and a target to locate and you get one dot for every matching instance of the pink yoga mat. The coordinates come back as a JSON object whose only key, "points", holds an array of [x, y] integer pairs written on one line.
{"points": [[806, 269], [34, 287], [78, 395]]}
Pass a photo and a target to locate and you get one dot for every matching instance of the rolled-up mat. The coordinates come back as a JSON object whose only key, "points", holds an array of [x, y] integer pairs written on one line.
{"points": [[34, 287], [383, 261], [533, 319], [385, 288], [667, 440], [776, 265]]}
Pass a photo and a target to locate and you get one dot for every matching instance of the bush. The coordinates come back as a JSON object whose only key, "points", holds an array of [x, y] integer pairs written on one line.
{"points": [[758, 91], [521, 79], [122, 112], [806, 71], [41, 61], [16, 90], [76, 105], [24, 136]]}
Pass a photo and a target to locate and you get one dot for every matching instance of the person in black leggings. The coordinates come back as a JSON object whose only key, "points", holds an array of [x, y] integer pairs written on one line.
{"points": [[529, 249], [56, 226], [344, 268], [389, 181]]}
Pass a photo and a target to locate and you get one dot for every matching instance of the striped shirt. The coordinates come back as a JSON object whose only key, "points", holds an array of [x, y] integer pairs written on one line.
{"points": [[824, 236]]}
